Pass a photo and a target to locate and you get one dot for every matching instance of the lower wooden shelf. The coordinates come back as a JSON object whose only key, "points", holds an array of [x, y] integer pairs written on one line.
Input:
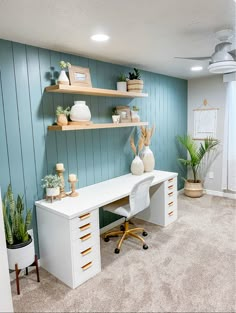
{"points": [[95, 126]]}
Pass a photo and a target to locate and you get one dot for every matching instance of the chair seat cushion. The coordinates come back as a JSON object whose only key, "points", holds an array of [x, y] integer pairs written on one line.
{"points": [[120, 207]]}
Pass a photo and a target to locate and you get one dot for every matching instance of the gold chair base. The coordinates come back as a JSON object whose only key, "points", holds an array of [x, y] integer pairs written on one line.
{"points": [[126, 233]]}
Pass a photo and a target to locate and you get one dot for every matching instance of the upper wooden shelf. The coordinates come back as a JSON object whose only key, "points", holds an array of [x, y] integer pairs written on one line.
{"points": [[94, 91], [95, 126]]}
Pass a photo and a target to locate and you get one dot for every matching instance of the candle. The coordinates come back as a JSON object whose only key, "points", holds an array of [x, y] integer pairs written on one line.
{"points": [[72, 177], [59, 166]]}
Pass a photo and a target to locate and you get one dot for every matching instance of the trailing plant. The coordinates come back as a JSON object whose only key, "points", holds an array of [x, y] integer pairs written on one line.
{"points": [[121, 78], [51, 181], [16, 226], [147, 134], [64, 65], [196, 154], [61, 110], [135, 75]]}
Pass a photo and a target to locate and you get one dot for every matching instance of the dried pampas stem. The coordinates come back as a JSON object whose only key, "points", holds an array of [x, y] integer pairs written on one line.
{"points": [[132, 145], [141, 143]]}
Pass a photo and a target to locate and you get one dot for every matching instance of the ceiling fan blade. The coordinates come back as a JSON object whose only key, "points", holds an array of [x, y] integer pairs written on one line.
{"points": [[233, 53], [195, 58]]}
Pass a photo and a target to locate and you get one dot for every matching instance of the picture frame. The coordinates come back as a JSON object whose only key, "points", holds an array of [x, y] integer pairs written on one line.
{"points": [[80, 76], [125, 114]]}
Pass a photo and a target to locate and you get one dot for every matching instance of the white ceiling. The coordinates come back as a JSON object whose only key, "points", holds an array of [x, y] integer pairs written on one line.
{"points": [[143, 33]]}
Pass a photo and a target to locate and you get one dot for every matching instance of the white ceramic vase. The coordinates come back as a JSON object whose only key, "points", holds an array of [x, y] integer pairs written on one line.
{"points": [[80, 112], [148, 159], [21, 254], [63, 79], [121, 86], [137, 167], [53, 192]]}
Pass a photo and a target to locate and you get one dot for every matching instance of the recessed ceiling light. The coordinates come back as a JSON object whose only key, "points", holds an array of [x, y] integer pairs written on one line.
{"points": [[196, 68], [100, 37]]}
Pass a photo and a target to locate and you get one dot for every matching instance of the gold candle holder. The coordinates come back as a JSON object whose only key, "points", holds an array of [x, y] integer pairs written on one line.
{"points": [[72, 185], [62, 188]]}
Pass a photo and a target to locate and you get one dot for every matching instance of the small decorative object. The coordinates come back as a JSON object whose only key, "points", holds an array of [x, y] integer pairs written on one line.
{"points": [[134, 114], [73, 180], [62, 115], [135, 84], [125, 114], [115, 116], [121, 83], [63, 79], [147, 154], [60, 170], [80, 112], [193, 187], [80, 76], [52, 183], [137, 167]]}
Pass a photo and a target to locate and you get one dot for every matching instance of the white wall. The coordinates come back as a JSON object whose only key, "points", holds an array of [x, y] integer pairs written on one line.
{"points": [[213, 89]]}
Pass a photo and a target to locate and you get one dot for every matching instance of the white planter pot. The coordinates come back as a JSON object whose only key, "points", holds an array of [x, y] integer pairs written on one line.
{"points": [[80, 112], [121, 86], [23, 256], [116, 119], [53, 192], [137, 167], [63, 79], [148, 159]]}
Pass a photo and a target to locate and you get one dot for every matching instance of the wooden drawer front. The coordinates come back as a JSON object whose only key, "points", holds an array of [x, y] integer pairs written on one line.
{"points": [[83, 219]]}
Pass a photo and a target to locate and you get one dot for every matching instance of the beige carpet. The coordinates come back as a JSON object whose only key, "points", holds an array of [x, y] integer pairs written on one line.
{"points": [[189, 267]]}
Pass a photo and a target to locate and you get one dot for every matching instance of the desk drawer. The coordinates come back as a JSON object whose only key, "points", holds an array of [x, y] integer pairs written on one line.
{"points": [[171, 216], [83, 219], [171, 185]]}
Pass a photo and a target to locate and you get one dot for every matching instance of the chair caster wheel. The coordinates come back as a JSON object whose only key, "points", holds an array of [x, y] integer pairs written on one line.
{"points": [[117, 251], [145, 233], [122, 228], [145, 247], [106, 239]]}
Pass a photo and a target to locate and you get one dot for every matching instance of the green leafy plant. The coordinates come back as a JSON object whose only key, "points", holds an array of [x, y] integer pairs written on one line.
{"points": [[135, 75], [196, 154], [16, 226], [64, 65], [51, 181], [114, 111], [135, 108], [121, 78], [61, 110]]}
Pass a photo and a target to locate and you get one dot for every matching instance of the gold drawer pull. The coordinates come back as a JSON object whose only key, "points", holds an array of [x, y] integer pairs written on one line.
{"points": [[84, 216], [86, 266], [86, 226], [170, 194], [170, 180], [171, 187], [171, 213], [86, 237], [171, 203], [87, 251]]}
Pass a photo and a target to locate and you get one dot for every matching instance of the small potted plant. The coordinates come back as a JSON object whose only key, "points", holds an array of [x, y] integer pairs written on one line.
{"points": [[63, 79], [193, 187], [62, 115], [52, 184], [135, 84], [134, 114], [121, 82], [115, 116], [20, 245]]}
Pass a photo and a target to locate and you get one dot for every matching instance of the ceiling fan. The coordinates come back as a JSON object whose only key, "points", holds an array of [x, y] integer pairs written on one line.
{"points": [[223, 60]]}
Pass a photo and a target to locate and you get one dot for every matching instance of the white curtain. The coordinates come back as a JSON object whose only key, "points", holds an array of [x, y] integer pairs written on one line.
{"points": [[229, 151]]}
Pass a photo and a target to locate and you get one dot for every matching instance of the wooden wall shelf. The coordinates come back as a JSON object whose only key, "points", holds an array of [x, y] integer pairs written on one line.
{"points": [[94, 91], [95, 126]]}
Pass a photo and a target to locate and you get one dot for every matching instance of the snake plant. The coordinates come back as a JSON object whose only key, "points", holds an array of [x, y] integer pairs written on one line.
{"points": [[16, 225]]}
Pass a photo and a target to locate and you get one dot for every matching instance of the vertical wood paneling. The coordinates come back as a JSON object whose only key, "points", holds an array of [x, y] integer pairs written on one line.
{"points": [[28, 151]]}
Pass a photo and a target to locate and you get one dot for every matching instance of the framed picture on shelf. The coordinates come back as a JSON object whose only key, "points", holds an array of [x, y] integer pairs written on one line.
{"points": [[80, 76], [125, 113]]}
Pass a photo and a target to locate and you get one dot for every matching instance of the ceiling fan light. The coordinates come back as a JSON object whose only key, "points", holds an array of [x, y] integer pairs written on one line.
{"points": [[222, 67]]}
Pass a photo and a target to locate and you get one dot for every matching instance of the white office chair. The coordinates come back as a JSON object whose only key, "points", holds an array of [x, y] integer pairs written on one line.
{"points": [[139, 200]]}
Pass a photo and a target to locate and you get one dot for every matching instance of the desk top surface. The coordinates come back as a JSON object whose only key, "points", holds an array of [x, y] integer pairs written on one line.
{"points": [[100, 194]]}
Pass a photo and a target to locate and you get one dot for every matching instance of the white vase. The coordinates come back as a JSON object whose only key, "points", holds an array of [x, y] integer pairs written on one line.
{"points": [[116, 119], [121, 86], [148, 159], [53, 192], [135, 117], [21, 254], [63, 79], [137, 167], [80, 112]]}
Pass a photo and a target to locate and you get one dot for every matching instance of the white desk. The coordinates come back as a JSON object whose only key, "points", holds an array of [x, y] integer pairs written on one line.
{"points": [[68, 230]]}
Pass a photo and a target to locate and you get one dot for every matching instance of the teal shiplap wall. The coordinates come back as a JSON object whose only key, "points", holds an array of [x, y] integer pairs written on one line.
{"points": [[28, 151]]}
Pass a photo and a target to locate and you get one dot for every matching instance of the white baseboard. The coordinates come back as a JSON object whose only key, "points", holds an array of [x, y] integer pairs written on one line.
{"points": [[220, 194], [112, 225], [22, 273]]}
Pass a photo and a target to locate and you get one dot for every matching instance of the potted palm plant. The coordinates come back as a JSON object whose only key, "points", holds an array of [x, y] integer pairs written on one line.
{"points": [[135, 84], [20, 245], [193, 187]]}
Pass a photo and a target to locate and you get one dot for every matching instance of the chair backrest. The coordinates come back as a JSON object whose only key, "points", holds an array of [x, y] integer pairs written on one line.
{"points": [[139, 198]]}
